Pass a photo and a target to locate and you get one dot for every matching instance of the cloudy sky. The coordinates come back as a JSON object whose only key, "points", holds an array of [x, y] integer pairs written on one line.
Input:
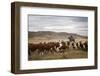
{"points": [[68, 24]]}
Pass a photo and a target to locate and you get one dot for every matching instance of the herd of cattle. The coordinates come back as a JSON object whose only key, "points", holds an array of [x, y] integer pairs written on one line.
{"points": [[56, 47]]}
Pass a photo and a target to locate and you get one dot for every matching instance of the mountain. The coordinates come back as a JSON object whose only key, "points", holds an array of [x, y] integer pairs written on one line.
{"points": [[53, 35]]}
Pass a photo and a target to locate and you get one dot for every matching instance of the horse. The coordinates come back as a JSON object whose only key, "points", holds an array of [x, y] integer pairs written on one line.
{"points": [[71, 39]]}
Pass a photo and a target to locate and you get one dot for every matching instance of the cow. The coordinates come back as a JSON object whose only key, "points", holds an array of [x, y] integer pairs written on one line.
{"points": [[63, 46], [86, 45]]}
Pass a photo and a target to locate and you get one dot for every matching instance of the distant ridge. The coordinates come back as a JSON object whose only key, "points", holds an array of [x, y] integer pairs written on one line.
{"points": [[54, 35]]}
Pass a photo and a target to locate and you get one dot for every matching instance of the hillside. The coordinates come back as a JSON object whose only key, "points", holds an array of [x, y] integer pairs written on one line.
{"points": [[53, 35]]}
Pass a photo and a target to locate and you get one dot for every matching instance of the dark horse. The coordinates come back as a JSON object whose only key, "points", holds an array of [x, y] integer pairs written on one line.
{"points": [[71, 39]]}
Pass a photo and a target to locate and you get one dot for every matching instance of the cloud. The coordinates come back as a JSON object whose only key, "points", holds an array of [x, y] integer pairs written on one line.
{"points": [[69, 24], [59, 27]]}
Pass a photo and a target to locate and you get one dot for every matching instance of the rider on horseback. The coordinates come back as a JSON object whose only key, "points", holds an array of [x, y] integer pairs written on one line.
{"points": [[71, 38]]}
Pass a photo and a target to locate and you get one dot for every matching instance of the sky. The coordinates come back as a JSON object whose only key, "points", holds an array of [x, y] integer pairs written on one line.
{"points": [[69, 24]]}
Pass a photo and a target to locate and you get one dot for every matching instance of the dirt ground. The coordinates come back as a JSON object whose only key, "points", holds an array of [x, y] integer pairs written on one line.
{"points": [[68, 54]]}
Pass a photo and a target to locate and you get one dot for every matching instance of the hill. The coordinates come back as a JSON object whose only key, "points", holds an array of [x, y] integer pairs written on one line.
{"points": [[53, 35]]}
